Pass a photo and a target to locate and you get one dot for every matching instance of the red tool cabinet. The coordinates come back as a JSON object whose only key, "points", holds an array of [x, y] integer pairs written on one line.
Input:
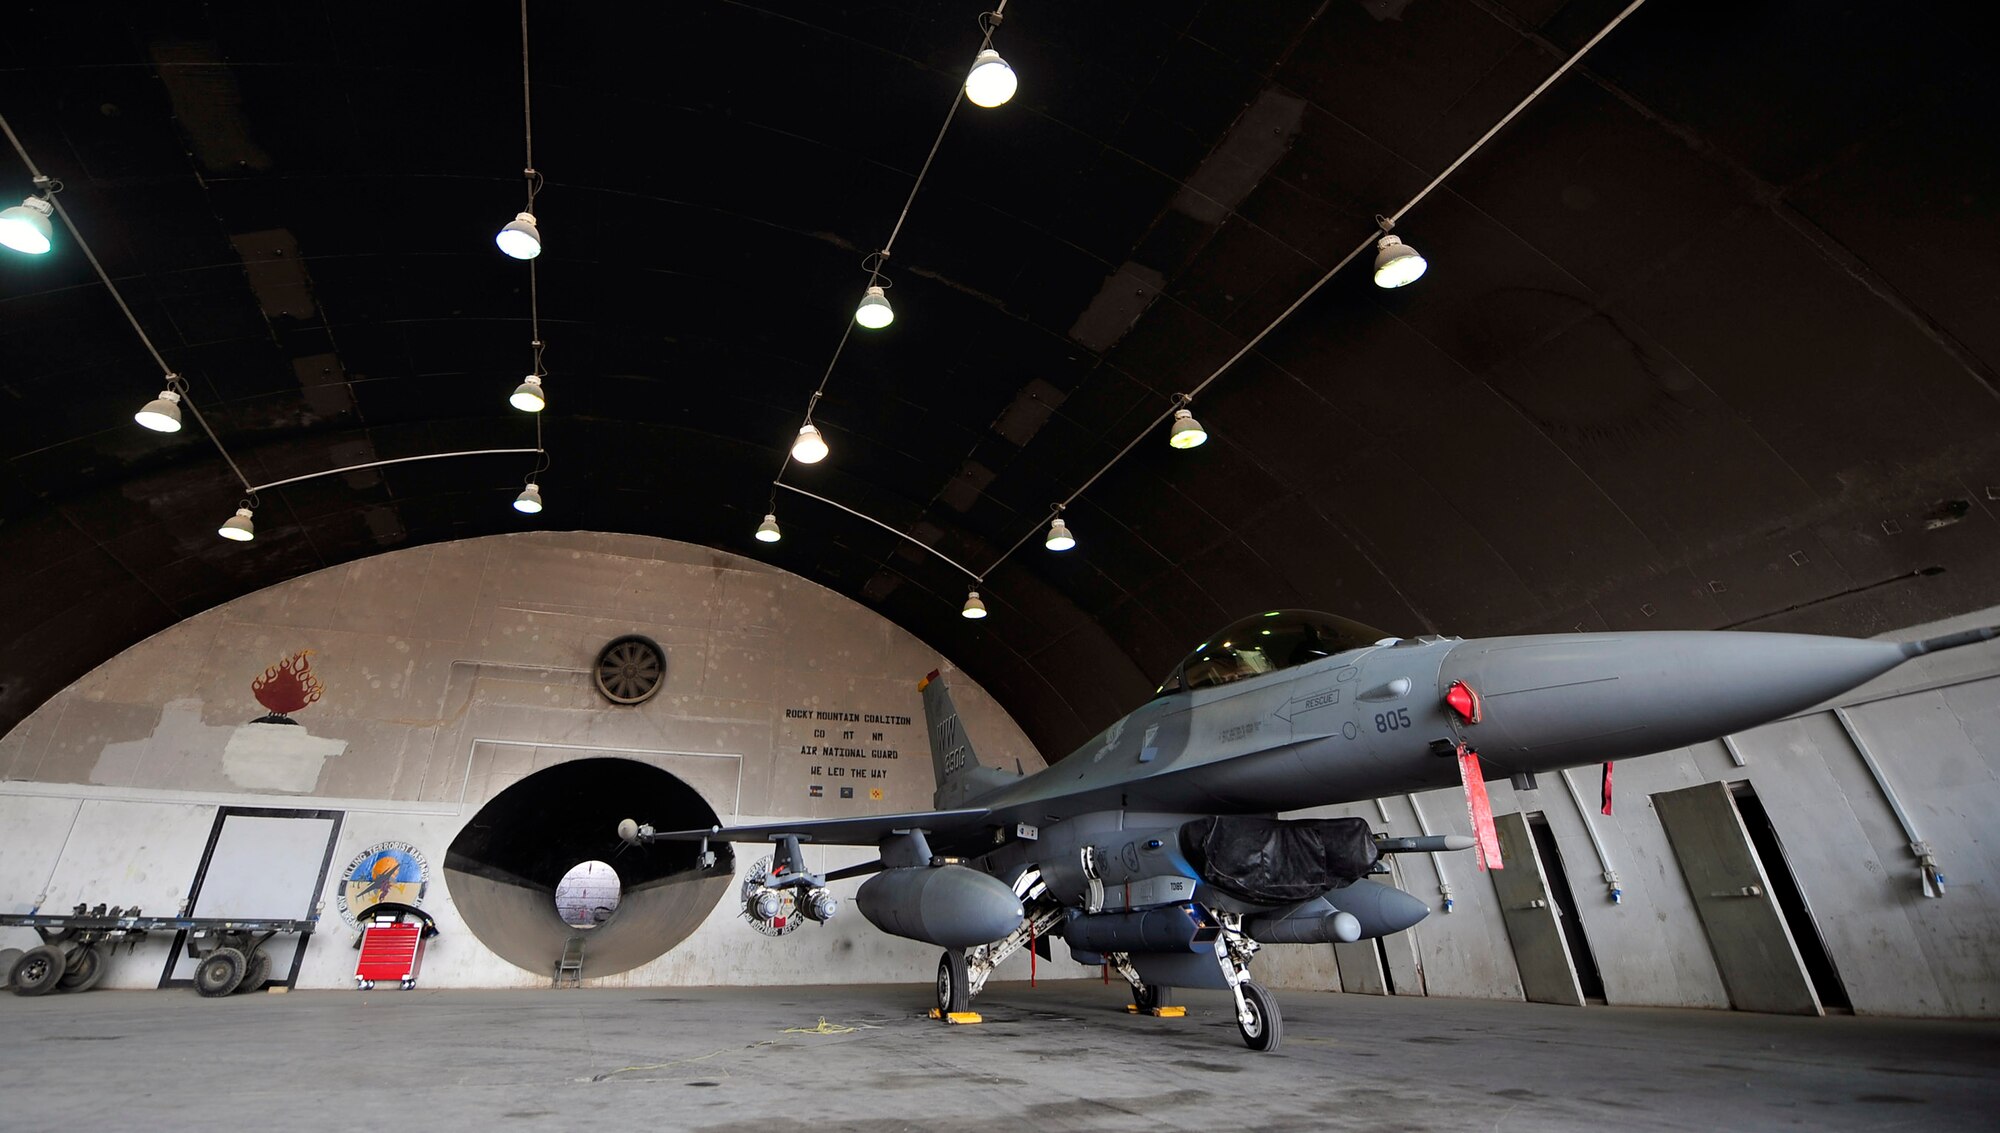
{"points": [[391, 949]]}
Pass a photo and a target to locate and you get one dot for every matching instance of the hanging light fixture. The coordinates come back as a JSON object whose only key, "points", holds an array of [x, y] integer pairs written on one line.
{"points": [[238, 528], [874, 311], [529, 395], [520, 238], [162, 414], [767, 531], [25, 227], [1187, 432], [991, 82], [1396, 263], [810, 448], [973, 608], [529, 502], [1059, 537]]}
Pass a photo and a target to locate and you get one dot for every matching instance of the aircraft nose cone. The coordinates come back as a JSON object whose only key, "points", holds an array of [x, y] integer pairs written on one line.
{"points": [[1558, 700]]}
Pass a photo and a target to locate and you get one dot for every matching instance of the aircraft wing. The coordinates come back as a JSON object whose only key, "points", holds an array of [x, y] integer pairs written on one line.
{"points": [[866, 830]]}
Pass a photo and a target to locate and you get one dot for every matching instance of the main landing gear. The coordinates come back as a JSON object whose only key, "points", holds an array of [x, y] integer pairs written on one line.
{"points": [[1257, 1016]]}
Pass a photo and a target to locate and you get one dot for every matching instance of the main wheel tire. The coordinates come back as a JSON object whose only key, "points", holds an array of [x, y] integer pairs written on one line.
{"points": [[257, 969], [1266, 1027], [38, 971], [1146, 997], [219, 973], [85, 968], [8, 958], [954, 983]]}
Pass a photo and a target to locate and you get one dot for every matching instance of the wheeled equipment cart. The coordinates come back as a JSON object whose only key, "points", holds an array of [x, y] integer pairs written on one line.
{"points": [[76, 948]]}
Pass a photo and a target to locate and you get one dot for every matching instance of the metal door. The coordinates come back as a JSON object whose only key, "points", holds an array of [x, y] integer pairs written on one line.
{"points": [[1360, 968], [1540, 952], [1753, 949]]}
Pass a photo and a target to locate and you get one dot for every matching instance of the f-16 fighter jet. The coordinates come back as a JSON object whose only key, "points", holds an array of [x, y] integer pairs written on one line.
{"points": [[1154, 847]]}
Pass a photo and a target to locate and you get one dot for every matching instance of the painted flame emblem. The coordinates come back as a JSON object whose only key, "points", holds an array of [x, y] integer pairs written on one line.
{"points": [[288, 685]]}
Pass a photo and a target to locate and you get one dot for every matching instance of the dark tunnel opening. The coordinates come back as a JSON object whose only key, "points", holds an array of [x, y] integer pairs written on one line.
{"points": [[505, 864]]}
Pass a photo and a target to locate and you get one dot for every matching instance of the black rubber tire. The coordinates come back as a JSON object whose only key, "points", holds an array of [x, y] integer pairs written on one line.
{"points": [[38, 971], [8, 958], [256, 970], [1146, 997], [85, 968], [219, 973], [954, 983], [1267, 1029]]}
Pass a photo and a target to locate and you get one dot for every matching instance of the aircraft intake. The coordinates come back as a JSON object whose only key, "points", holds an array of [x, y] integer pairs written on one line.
{"points": [[1169, 928], [950, 906], [1278, 861]]}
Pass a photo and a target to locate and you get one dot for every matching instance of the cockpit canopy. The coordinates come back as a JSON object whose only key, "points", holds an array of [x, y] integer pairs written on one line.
{"points": [[1267, 642]]}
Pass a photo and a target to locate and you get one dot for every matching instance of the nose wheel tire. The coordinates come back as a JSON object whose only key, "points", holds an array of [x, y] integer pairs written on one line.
{"points": [[954, 984], [1266, 1027]]}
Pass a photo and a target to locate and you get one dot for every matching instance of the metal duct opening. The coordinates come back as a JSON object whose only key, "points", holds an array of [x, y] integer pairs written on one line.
{"points": [[503, 868]]}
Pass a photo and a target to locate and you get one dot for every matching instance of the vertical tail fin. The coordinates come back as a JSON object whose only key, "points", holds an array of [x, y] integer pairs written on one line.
{"points": [[960, 775]]}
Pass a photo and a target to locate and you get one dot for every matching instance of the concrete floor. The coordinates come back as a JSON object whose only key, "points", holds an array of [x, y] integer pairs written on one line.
{"points": [[1059, 1057]]}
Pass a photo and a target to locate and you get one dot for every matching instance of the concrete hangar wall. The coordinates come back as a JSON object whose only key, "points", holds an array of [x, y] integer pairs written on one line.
{"points": [[460, 720], [1839, 916]]}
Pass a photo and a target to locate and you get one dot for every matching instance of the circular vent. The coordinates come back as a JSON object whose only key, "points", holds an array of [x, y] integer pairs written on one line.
{"points": [[631, 669]]}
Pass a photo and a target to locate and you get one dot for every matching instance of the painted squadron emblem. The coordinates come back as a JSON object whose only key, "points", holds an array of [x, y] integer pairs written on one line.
{"points": [[387, 871]]}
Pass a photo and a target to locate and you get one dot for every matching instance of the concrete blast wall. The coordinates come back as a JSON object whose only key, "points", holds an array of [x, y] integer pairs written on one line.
{"points": [[452, 672], [1933, 727]]}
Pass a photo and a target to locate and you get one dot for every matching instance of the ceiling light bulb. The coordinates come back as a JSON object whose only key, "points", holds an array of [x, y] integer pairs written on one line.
{"points": [[25, 227], [874, 312], [973, 608], [1397, 263], [238, 527], [162, 414], [810, 448], [529, 395], [1187, 432], [992, 81], [1059, 537], [767, 531], [529, 502], [520, 238]]}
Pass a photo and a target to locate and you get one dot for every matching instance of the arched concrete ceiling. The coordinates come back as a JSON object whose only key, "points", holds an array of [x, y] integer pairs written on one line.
{"points": [[1709, 338]]}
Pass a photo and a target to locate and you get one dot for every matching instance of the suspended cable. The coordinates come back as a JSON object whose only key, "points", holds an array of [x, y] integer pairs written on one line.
{"points": [[1384, 223], [874, 311]]}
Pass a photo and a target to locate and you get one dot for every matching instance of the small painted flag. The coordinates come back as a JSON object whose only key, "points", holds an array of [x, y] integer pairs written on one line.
{"points": [[815, 791], [847, 792], [875, 793]]}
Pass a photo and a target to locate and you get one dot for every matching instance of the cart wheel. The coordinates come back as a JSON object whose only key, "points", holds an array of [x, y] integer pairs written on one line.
{"points": [[8, 958], [257, 969], [367, 985], [85, 968], [219, 973], [408, 984], [37, 971]]}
